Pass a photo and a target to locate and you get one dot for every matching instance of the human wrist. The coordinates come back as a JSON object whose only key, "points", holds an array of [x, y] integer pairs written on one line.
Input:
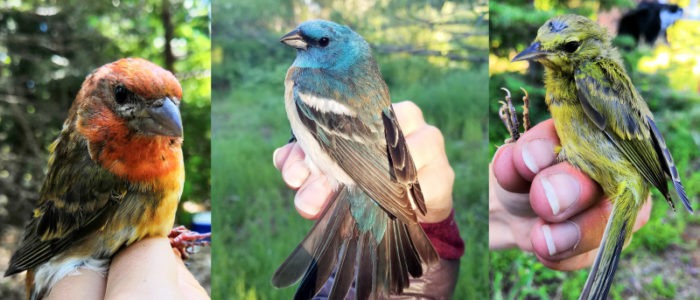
{"points": [[444, 236]]}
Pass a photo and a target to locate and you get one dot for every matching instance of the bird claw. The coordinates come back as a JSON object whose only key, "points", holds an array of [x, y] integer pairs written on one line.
{"points": [[509, 116], [185, 241]]}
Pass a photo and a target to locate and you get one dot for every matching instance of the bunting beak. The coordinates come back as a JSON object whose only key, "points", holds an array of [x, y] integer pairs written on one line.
{"points": [[295, 39]]}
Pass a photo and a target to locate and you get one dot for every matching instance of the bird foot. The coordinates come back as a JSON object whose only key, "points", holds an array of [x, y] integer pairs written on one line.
{"points": [[186, 241], [509, 116]]}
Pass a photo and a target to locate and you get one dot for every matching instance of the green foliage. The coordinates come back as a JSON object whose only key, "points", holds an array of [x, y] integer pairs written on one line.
{"points": [[661, 288], [254, 216], [510, 24], [515, 275]]}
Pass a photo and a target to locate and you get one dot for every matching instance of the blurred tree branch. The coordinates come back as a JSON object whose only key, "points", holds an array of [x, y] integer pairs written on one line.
{"points": [[168, 27], [29, 141], [454, 56]]}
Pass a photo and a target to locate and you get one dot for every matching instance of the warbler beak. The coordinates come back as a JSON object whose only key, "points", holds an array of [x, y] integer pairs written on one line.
{"points": [[532, 52], [162, 118], [295, 39]]}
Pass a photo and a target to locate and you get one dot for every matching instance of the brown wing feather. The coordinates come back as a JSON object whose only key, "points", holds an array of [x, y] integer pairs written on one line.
{"points": [[368, 164], [402, 166], [76, 198]]}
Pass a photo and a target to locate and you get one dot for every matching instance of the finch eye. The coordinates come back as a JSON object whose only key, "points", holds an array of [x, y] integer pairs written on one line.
{"points": [[120, 94], [571, 47], [323, 42]]}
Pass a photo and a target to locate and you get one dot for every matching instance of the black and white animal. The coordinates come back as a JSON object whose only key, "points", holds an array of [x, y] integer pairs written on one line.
{"points": [[649, 20]]}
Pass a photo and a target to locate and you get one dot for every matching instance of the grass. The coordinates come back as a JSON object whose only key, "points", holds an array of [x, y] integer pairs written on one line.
{"points": [[255, 222]]}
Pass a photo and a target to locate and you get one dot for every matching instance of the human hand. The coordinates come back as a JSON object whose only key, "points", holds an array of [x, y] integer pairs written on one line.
{"points": [[547, 207], [426, 145], [140, 271]]}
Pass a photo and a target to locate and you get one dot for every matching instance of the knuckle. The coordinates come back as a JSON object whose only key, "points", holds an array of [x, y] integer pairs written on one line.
{"points": [[435, 136], [410, 109]]}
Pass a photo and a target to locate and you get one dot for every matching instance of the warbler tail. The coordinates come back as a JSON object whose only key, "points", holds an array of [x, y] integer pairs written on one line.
{"points": [[617, 232], [377, 255]]}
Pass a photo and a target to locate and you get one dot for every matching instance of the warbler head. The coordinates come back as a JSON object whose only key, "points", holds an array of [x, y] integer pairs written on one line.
{"points": [[326, 45], [564, 42]]}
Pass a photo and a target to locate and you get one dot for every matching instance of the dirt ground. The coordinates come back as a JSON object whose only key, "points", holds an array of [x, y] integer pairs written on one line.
{"points": [[679, 265]]}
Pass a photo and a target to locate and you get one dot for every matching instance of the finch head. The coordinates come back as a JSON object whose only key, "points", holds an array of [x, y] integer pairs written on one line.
{"points": [[128, 113]]}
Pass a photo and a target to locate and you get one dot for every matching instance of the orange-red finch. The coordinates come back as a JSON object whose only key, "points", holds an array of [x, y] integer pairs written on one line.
{"points": [[115, 174]]}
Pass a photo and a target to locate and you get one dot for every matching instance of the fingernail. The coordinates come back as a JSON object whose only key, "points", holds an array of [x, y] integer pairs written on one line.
{"points": [[274, 156], [561, 237], [561, 191], [295, 174], [305, 206], [537, 154]]}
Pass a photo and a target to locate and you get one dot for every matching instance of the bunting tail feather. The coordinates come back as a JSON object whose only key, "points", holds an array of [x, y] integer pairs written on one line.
{"points": [[365, 284], [355, 241], [301, 258], [344, 274]]}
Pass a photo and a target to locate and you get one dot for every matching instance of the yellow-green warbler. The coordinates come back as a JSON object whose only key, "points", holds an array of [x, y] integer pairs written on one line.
{"points": [[605, 129]]}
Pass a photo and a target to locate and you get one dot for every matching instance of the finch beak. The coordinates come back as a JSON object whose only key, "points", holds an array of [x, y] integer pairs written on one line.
{"points": [[294, 39], [160, 120], [532, 52]]}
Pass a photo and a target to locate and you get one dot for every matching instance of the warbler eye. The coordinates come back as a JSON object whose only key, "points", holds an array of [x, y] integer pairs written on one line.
{"points": [[323, 42], [120, 94], [571, 47]]}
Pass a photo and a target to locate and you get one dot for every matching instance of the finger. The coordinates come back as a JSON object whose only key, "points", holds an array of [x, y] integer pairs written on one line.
{"points": [[562, 191], [436, 180], [500, 235], [507, 228], [570, 238], [409, 116], [643, 215], [516, 203], [313, 196], [535, 150], [586, 258], [426, 145], [295, 170], [280, 155], [577, 262], [504, 171]]}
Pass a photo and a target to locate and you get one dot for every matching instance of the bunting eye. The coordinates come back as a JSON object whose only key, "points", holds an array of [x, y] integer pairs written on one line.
{"points": [[323, 42]]}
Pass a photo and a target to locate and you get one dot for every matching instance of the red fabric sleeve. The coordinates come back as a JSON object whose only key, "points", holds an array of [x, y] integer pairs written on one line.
{"points": [[445, 237]]}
